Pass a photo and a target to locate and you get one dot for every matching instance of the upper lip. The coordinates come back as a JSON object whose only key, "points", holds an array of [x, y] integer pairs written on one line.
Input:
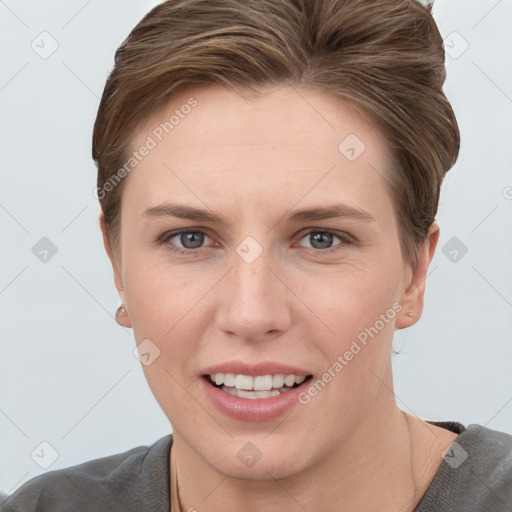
{"points": [[253, 370]]}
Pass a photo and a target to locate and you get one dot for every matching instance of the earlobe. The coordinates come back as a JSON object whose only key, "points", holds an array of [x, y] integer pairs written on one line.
{"points": [[412, 298], [122, 317]]}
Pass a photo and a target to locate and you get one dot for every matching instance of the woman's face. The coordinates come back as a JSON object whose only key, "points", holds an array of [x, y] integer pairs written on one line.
{"points": [[264, 290]]}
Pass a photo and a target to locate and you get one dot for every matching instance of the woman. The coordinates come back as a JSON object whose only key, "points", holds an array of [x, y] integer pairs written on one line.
{"points": [[269, 174]]}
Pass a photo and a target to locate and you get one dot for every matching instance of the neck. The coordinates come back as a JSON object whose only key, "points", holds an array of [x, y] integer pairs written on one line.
{"points": [[385, 465]]}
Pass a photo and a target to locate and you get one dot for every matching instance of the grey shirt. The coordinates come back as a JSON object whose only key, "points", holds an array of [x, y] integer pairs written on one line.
{"points": [[476, 475]]}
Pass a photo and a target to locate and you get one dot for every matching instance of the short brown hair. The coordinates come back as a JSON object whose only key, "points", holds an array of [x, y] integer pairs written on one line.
{"points": [[386, 57]]}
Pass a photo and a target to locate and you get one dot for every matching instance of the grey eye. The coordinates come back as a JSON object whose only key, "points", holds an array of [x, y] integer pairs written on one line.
{"points": [[190, 239], [320, 239]]}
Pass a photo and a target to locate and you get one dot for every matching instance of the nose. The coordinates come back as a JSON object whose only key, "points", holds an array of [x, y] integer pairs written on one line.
{"points": [[255, 304]]}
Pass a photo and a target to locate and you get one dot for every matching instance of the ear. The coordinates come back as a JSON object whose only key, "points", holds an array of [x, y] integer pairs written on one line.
{"points": [[115, 260], [412, 297]]}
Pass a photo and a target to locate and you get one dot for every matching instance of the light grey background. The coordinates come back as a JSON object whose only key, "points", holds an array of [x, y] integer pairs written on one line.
{"points": [[68, 374]]}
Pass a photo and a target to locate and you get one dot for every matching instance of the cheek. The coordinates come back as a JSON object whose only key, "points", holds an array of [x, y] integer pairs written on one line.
{"points": [[172, 306], [353, 297], [159, 293], [360, 307], [357, 356], [165, 308]]}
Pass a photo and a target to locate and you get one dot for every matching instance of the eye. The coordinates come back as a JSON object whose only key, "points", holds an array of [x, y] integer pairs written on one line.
{"points": [[322, 239], [189, 241], [184, 241]]}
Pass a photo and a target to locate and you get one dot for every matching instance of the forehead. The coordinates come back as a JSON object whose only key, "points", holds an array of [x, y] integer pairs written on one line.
{"points": [[283, 146]]}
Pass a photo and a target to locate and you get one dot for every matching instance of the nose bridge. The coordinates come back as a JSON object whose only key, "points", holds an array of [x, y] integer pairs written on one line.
{"points": [[251, 260], [251, 276], [254, 301]]}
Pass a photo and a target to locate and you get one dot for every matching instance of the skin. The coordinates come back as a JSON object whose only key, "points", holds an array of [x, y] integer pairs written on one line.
{"points": [[253, 160]]}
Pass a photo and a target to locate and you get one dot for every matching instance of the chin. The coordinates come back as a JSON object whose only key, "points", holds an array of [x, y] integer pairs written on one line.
{"points": [[276, 467], [258, 458]]}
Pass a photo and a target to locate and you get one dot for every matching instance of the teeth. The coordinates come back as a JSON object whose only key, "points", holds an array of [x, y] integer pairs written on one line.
{"points": [[278, 380], [228, 379], [243, 382], [240, 393], [289, 380], [262, 383], [258, 383]]}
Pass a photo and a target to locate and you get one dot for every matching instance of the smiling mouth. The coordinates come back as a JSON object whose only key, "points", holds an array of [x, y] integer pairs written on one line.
{"points": [[260, 386]]}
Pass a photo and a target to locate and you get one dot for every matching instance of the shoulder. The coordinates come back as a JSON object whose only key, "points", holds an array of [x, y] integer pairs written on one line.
{"points": [[476, 473], [117, 482], [489, 457]]}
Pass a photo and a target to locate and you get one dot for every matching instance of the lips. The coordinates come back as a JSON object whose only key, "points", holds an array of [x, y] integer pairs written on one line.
{"points": [[254, 393]]}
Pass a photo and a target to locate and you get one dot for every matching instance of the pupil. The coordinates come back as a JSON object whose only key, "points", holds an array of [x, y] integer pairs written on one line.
{"points": [[323, 238], [195, 239]]}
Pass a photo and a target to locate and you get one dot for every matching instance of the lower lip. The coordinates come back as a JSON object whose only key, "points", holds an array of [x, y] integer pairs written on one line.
{"points": [[253, 410]]}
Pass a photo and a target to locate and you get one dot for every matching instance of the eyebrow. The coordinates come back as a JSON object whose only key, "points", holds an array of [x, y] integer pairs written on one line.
{"points": [[307, 214]]}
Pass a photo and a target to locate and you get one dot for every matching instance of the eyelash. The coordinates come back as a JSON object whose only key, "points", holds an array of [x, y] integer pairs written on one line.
{"points": [[343, 237]]}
